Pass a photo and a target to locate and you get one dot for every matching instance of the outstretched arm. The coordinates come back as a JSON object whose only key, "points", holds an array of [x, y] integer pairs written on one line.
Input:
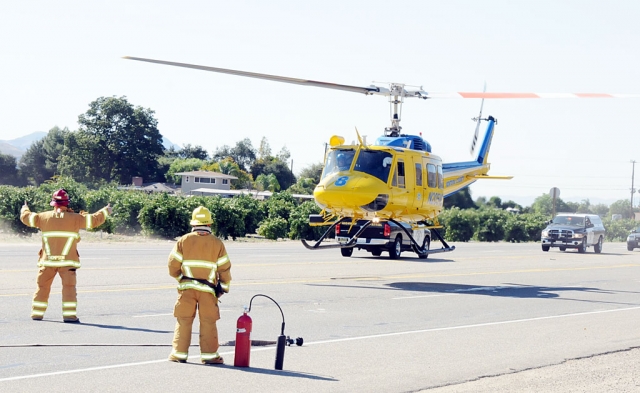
{"points": [[27, 217], [98, 218]]}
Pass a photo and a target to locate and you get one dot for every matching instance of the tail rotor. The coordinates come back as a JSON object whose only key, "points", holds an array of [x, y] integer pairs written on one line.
{"points": [[477, 120]]}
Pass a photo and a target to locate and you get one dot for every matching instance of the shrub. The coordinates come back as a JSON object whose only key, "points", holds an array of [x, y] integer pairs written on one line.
{"points": [[11, 201], [515, 229], [273, 228], [299, 227], [491, 225], [619, 229], [252, 210], [459, 225], [166, 216]]}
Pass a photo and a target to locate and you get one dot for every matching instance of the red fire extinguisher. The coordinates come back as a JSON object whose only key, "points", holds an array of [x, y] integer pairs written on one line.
{"points": [[243, 340]]}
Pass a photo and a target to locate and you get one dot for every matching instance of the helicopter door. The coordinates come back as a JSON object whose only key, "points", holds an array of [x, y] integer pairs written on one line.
{"points": [[431, 191], [398, 181], [419, 188]]}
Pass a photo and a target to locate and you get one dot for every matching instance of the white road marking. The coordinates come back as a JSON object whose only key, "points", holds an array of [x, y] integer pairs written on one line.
{"points": [[334, 341]]}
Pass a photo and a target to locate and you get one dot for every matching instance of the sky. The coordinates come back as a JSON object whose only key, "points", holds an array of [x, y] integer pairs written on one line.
{"points": [[57, 57]]}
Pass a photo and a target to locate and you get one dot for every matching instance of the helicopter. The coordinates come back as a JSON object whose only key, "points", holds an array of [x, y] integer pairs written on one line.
{"points": [[397, 178]]}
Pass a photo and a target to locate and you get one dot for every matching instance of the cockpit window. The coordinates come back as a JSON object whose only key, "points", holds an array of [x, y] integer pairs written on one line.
{"points": [[375, 163], [569, 220], [338, 160]]}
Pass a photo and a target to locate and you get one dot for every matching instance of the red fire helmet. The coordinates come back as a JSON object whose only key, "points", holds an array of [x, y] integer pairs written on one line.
{"points": [[60, 198]]}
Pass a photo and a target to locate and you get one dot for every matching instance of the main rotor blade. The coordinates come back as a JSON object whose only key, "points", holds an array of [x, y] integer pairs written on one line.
{"points": [[528, 95], [355, 89]]}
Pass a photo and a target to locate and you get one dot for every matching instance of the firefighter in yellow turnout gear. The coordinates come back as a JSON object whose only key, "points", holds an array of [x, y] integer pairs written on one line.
{"points": [[59, 254], [200, 263]]}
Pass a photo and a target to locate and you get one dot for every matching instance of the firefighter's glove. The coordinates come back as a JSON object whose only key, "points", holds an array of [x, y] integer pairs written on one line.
{"points": [[219, 290]]}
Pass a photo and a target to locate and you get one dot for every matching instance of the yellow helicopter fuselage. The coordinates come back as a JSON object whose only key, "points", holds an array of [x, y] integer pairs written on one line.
{"points": [[393, 182]]}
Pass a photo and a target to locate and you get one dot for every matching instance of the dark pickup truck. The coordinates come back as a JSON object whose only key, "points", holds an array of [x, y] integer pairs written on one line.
{"points": [[384, 236]]}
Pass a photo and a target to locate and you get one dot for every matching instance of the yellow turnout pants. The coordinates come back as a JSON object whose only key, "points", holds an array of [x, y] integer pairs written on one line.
{"points": [[69, 295], [188, 302]]}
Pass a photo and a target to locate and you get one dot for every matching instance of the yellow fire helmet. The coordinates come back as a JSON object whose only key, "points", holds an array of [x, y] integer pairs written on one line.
{"points": [[201, 216]]}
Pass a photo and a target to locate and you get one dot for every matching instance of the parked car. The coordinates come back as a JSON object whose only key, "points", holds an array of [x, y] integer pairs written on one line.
{"points": [[573, 230], [384, 236], [633, 240]]}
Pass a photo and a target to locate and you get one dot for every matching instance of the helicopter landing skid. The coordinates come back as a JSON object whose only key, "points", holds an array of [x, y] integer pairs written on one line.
{"points": [[349, 244], [420, 250]]}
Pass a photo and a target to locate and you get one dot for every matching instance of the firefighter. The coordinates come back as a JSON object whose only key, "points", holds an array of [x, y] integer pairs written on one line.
{"points": [[200, 263], [59, 254]]}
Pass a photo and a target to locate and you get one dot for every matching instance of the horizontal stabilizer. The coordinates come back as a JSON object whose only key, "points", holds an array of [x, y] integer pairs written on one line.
{"points": [[492, 177]]}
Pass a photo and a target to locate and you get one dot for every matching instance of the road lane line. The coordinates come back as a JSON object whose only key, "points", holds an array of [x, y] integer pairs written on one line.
{"points": [[475, 325], [376, 278], [339, 340]]}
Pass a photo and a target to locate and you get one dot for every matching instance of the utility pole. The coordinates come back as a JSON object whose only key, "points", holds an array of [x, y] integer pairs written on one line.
{"points": [[633, 169]]}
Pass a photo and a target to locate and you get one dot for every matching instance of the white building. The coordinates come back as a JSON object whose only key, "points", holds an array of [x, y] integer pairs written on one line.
{"points": [[204, 180]]}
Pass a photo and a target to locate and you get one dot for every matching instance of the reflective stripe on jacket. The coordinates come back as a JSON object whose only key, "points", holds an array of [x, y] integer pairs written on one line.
{"points": [[60, 233], [203, 256]]}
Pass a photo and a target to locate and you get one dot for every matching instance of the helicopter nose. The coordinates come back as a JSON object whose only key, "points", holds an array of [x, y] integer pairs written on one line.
{"points": [[347, 191]]}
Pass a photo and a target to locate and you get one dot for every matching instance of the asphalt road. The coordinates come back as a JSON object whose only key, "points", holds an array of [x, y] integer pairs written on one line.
{"points": [[484, 318]]}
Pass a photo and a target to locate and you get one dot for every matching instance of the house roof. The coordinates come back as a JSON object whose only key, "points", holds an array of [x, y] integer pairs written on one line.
{"points": [[208, 174], [157, 187]]}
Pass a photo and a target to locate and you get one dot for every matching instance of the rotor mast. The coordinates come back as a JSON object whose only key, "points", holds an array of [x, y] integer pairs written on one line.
{"points": [[396, 99]]}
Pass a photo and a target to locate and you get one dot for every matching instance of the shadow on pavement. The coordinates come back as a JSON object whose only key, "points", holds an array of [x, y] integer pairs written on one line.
{"points": [[117, 327]]}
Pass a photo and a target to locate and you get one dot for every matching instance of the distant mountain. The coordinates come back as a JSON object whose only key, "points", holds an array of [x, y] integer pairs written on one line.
{"points": [[168, 144], [6, 148], [25, 141], [17, 147]]}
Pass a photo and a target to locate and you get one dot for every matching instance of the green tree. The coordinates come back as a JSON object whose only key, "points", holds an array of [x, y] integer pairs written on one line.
{"points": [[53, 148], [189, 151], [496, 202], [183, 165], [313, 171], [304, 185], [279, 169], [511, 204], [461, 199], [8, 170], [115, 142], [264, 150], [600, 209], [243, 153], [622, 206], [584, 207], [229, 167], [33, 164], [267, 182], [544, 205]]}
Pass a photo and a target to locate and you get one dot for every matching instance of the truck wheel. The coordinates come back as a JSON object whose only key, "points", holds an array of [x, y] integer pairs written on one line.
{"points": [[629, 248], [582, 248], [376, 252], [427, 243], [563, 248], [545, 248], [598, 246], [346, 252], [396, 248]]}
